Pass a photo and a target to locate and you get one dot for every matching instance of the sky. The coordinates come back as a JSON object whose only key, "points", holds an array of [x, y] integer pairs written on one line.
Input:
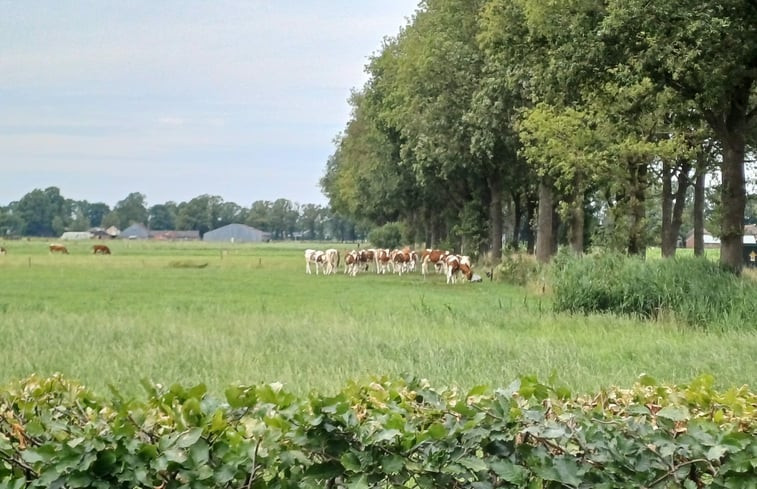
{"points": [[179, 98]]}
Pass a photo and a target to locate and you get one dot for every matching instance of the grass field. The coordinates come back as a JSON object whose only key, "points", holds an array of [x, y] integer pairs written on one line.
{"points": [[250, 315]]}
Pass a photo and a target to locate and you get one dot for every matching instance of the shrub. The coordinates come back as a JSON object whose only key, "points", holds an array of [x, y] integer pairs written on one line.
{"points": [[693, 290], [386, 433], [517, 269], [387, 236]]}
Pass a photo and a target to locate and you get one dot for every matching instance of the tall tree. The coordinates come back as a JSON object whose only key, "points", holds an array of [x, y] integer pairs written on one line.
{"points": [[131, 210], [162, 216]]}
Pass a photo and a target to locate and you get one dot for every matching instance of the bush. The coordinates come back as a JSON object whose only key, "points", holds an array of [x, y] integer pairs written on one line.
{"points": [[386, 433], [387, 236], [517, 269], [693, 290]]}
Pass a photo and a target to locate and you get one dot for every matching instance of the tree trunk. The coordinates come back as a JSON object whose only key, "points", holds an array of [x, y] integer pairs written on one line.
{"points": [[544, 228], [531, 206], [731, 127], [577, 221], [699, 206], [684, 181], [637, 234], [495, 218], [733, 199], [517, 221], [667, 248]]}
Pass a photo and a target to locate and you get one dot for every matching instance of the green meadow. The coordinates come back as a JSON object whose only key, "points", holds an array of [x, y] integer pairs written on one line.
{"points": [[194, 313]]}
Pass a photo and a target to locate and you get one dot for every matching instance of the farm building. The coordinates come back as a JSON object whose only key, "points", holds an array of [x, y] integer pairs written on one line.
{"points": [[174, 235], [135, 231], [237, 233], [709, 240], [76, 235]]}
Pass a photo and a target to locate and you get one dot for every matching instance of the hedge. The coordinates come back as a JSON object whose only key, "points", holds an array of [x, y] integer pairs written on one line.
{"points": [[388, 433]]}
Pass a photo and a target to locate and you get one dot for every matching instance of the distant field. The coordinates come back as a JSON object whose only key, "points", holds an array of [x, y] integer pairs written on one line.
{"points": [[252, 315]]}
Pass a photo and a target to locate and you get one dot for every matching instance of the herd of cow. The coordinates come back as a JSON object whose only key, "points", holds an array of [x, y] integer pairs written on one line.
{"points": [[390, 261]]}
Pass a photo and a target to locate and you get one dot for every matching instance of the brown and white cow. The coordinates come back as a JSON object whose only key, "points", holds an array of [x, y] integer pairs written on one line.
{"points": [[455, 266], [100, 249], [330, 261], [401, 260], [58, 248], [3, 251], [437, 257], [383, 260], [367, 257], [352, 262], [315, 257]]}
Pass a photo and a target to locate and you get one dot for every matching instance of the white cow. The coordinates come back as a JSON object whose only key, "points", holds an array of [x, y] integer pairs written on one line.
{"points": [[316, 257], [331, 261]]}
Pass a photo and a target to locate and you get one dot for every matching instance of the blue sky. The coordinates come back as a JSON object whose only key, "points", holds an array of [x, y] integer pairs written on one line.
{"points": [[176, 99]]}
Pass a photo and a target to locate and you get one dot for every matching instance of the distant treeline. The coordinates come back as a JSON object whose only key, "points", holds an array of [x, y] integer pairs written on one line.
{"points": [[48, 213]]}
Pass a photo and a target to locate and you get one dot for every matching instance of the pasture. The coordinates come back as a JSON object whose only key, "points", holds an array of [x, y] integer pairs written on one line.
{"points": [[193, 312]]}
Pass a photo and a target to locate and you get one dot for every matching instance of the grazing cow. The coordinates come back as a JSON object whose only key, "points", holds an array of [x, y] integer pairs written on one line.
{"points": [[315, 257], [437, 257], [58, 248], [331, 261], [3, 251], [100, 250], [455, 265]]}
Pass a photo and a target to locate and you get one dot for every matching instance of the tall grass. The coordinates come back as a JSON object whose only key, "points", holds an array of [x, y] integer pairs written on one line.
{"points": [[693, 291], [252, 315]]}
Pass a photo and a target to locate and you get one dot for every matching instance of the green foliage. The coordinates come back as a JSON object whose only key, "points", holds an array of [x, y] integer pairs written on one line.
{"points": [[386, 433], [517, 269], [390, 235], [693, 290]]}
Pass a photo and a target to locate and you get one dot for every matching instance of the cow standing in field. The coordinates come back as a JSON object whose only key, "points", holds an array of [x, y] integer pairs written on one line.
{"points": [[367, 257], [99, 249], [437, 257], [331, 261], [3, 251], [58, 248], [401, 260], [352, 262], [383, 261], [316, 257]]}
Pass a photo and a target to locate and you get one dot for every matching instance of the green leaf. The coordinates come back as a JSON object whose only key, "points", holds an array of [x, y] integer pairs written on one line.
{"points": [[674, 413], [478, 390], [716, 452], [189, 438], [392, 464], [509, 471], [437, 431], [473, 463], [568, 471], [351, 462], [360, 483], [386, 435]]}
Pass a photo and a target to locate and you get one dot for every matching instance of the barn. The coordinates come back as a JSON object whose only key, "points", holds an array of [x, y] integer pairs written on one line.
{"points": [[236, 233], [76, 235], [135, 231]]}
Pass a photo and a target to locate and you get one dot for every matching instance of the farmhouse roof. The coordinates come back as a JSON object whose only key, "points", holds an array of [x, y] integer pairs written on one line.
{"points": [[135, 231], [174, 235], [73, 235], [237, 233]]}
